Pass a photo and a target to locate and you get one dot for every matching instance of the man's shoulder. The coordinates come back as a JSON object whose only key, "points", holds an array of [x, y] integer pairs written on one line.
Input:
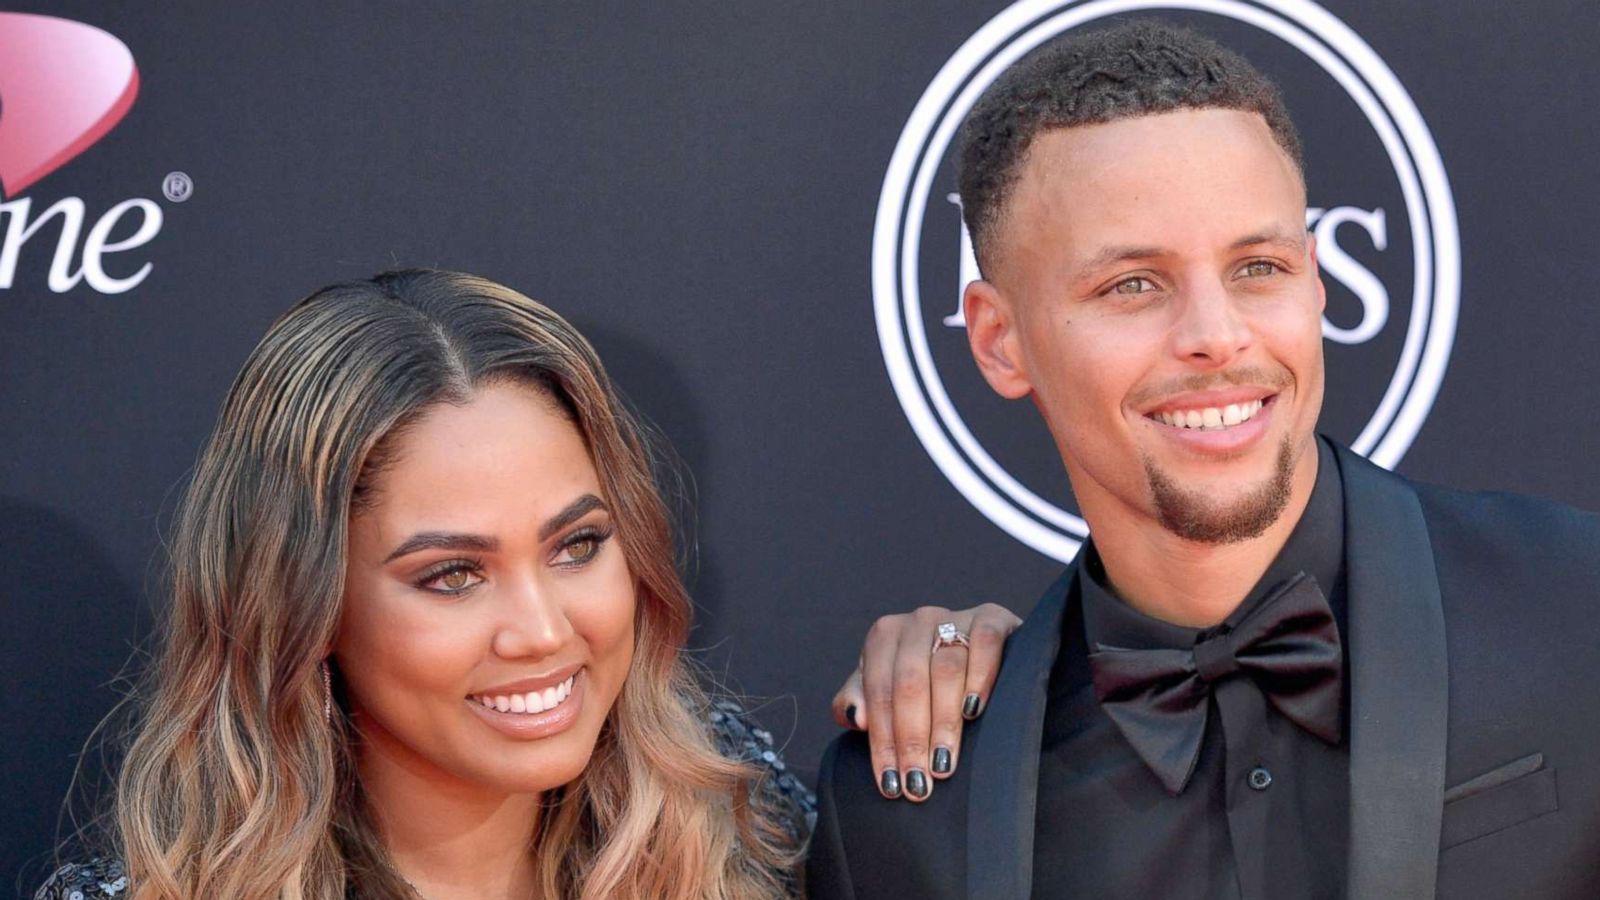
{"points": [[1509, 513], [1497, 537], [1485, 528], [869, 846], [848, 784]]}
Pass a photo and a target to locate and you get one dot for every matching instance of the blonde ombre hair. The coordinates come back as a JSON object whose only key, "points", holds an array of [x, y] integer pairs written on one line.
{"points": [[236, 785]]}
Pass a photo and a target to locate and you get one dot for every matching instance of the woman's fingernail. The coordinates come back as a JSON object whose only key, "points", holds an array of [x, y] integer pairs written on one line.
{"points": [[917, 783], [891, 783], [941, 760], [969, 707], [850, 715]]}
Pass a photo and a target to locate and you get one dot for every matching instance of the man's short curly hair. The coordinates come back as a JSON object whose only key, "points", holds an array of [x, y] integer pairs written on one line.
{"points": [[1139, 68]]}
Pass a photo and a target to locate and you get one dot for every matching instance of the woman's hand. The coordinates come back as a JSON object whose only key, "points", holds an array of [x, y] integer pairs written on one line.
{"points": [[911, 700]]}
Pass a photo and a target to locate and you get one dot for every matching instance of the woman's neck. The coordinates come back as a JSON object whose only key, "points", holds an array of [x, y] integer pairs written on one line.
{"points": [[448, 838]]}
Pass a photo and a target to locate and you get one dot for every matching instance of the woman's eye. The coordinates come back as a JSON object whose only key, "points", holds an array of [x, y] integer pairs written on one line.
{"points": [[452, 581], [582, 550], [582, 547]]}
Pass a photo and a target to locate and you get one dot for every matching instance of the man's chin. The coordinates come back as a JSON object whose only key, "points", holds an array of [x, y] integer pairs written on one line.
{"points": [[1196, 514]]}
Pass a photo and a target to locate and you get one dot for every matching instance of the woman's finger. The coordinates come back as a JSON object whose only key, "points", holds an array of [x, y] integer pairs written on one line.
{"points": [[991, 626], [913, 701], [948, 672], [849, 704], [877, 689]]}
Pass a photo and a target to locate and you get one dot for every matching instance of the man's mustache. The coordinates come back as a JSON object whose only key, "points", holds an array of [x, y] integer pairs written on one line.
{"points": [[1275, 379]]}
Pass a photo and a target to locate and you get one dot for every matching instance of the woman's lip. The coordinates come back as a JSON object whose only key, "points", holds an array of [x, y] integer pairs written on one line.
{"points": [[536, 683], [532, 726]]}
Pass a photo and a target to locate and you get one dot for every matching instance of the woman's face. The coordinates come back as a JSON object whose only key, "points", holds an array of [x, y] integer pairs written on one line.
{"points": [[488, 614]]}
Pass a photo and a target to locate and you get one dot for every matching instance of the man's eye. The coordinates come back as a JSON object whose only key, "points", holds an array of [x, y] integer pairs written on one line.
{"points": [[1133, 285], [1260, 269]]}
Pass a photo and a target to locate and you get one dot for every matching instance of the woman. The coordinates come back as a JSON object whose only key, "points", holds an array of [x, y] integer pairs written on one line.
{"points": [[425, 632]]}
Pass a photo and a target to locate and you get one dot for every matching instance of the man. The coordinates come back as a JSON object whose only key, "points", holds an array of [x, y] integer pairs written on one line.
{"points": [[1276, 671]]}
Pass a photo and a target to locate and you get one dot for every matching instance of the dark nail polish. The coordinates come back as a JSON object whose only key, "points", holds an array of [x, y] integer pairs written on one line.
{"points": [[917, 783], [969, 707], [891, 783], [941, 760], [850, 715]]}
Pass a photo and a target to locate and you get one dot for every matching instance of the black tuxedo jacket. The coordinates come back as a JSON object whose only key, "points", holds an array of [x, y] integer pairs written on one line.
{"points": [[1474, 633]]}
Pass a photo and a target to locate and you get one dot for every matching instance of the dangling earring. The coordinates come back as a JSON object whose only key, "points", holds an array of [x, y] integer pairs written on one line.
{"points": [[327, 693]]}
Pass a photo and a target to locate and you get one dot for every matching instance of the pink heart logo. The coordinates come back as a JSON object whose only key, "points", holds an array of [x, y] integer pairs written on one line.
{"points": [[63, 85]]}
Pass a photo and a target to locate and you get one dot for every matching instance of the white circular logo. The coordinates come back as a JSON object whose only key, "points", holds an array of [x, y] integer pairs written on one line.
{"points": [[1419, 355], [177, 186]]}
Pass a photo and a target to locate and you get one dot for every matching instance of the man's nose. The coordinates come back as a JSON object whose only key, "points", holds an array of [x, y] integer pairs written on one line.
{"points": [[533, 623], [1211, 330]]}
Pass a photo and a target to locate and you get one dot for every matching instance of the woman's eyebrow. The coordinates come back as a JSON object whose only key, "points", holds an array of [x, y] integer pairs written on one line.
{"points": [[443, 540], [453, 540], [574, 511]]}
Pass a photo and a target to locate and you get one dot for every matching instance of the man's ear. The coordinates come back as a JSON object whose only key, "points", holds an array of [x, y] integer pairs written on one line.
{"points": [[992, 334]]}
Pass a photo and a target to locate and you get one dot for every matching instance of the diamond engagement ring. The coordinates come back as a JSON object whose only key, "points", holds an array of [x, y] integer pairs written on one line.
{"points": [[949, 636]]}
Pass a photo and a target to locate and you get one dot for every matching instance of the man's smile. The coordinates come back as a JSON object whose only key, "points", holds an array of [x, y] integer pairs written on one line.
{"points": [[1209, 417]]}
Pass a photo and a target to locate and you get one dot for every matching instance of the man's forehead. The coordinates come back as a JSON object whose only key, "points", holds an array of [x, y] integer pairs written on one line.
{"points": [[1144, 186], [1072, 149], [1167, 155]]}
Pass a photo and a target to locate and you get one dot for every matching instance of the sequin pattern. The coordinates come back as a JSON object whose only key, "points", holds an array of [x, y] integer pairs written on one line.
{"points": [[738, 737], [91, 881]]}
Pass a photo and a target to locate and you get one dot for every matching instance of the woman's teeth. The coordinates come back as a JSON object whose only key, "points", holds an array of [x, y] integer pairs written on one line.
{"points": [[532, 701], [1211, 417]]}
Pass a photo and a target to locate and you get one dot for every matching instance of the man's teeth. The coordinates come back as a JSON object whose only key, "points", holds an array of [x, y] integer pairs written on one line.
{"points": [[1211, 417], [531, 702]]}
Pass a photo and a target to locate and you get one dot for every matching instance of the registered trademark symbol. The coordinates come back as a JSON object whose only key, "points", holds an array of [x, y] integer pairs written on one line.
{"points": [[177, 186]]}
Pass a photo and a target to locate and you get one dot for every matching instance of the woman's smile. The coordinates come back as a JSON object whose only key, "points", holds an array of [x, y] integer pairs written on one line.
{"points": [[531, 713]]}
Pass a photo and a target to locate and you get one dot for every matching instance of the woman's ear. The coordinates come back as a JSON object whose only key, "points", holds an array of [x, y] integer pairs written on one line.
{"points": [[992, 334]]}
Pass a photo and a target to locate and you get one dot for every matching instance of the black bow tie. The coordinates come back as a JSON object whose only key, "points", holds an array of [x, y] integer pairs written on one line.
{"points": [[1289, 645]]}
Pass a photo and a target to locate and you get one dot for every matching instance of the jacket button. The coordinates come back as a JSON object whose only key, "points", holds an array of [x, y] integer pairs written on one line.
{"points": [[1259, 779]]}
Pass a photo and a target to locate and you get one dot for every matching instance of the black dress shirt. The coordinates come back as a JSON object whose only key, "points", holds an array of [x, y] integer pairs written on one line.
{"points": [[1265, 815]]}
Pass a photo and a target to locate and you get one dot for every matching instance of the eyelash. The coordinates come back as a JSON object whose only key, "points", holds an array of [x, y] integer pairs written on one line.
{"points": [[597, 535], [449, 567], [1277, 269], [1112, 290], [591, 533]]}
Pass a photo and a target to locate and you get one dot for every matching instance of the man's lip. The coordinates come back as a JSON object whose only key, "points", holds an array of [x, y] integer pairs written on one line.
{"points": [[1205, 399], [536, 683]]}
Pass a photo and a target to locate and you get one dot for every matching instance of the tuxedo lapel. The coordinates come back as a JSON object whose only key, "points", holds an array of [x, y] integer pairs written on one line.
{"points": [[1004, 757], [1399, 684]]}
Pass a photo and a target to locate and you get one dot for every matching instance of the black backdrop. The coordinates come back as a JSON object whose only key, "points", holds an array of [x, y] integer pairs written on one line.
{"points": [[696, 186]]}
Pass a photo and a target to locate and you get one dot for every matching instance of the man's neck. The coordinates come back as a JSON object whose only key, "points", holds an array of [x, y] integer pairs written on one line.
{"points": [[1189, 583]]}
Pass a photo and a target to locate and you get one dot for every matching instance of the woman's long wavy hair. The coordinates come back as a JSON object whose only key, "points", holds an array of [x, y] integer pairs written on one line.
{"points": [[236, 784]]}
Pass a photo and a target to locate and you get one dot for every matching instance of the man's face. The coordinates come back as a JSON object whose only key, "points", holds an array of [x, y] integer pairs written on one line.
{"points": [[1153, 288]]}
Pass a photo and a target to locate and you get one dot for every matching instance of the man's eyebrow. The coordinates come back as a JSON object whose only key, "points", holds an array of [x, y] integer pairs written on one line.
{"points": [[575, 510], [1118, 253], [1124, 252], [443, 540], [1273, 235]]}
